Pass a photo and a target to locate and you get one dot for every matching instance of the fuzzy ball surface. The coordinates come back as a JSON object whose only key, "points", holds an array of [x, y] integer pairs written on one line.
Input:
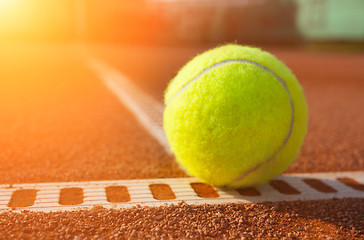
{"points": [[235, 116]]}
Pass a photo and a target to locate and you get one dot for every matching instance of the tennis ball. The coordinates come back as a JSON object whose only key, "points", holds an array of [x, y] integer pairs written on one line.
{"points": [[235, 116]]}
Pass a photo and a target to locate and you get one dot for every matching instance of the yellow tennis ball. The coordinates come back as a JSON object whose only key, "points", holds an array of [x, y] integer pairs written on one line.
{"points": [[235, 116]]}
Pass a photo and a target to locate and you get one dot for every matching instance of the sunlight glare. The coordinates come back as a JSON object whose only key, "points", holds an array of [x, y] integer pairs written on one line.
{"points": [[8, 8], [6, 5]]}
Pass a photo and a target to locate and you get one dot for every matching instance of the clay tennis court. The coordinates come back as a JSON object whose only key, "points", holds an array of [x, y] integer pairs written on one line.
{"points": [[60, 123], [83, 154]]}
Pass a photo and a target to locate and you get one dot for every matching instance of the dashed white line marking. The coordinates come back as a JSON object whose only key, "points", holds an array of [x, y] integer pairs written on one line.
{"points": [[94, 193], [147, 110]]}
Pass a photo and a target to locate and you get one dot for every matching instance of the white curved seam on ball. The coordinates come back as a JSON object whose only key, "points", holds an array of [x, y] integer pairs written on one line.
{"points": [[244, 61]]}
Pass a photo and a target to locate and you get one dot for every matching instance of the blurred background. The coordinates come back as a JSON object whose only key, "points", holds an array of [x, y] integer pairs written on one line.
{"points": [[183, 21]]}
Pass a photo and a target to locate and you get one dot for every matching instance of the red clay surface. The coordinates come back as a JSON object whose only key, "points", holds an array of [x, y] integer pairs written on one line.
{"points": [[331, 219], [60, 123]]}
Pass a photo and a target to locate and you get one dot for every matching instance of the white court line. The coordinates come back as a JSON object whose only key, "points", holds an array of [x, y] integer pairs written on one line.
{"points": [[147, 110], [48, 194]]}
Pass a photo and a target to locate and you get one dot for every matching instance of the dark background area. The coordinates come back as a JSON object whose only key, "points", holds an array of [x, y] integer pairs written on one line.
{"points": [[178, 22]]}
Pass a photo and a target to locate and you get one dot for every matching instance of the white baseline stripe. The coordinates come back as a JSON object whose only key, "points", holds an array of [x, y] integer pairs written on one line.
{"points": [[147, 110], [48, 194]]}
